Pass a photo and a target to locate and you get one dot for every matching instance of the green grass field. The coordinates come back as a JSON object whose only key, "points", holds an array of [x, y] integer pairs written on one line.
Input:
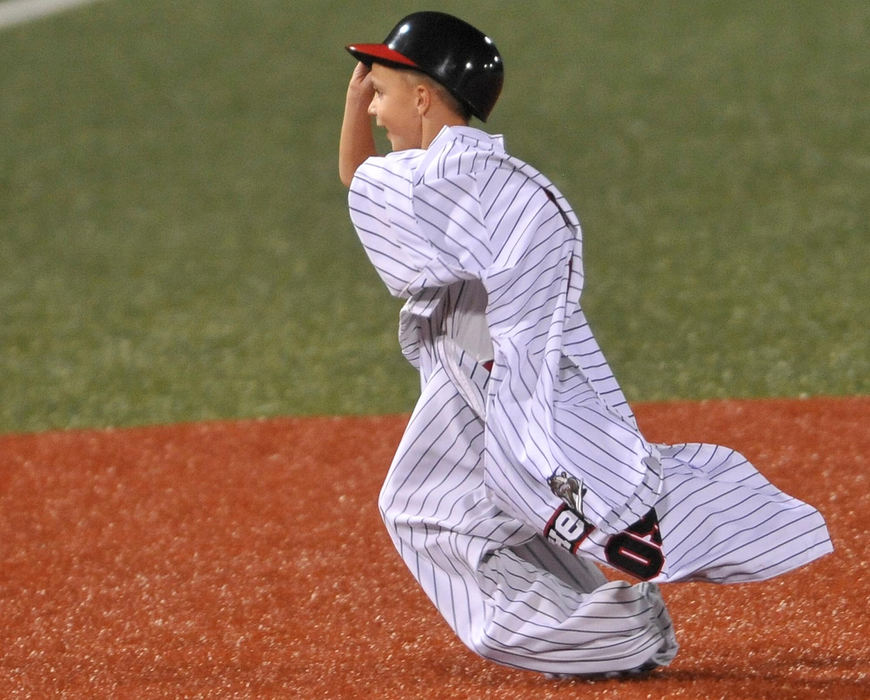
{"points": [[174, 242]]}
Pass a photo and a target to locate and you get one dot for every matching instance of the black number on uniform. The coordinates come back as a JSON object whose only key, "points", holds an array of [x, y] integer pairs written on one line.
{"points": [[637, 550]]}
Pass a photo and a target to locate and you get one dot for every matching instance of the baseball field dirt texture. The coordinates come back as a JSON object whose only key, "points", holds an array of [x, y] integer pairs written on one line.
{"points": [[247, 559]]}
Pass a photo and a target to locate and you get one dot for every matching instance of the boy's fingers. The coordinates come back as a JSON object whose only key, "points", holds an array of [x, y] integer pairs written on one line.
{"points": [[361, 70]]}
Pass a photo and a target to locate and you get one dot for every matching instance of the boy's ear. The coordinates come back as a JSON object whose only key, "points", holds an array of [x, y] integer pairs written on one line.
{"points": [[423, 98]]}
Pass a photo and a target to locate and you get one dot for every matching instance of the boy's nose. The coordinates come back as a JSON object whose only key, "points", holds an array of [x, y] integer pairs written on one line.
{"points": [[371, 109]]}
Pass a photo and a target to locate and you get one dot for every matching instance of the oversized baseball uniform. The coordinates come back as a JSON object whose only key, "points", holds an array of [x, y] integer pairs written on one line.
{"points": [[522, 462]]}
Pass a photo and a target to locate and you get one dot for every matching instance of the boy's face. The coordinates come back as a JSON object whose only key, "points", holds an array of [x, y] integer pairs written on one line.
{"points": [[394, 106]]}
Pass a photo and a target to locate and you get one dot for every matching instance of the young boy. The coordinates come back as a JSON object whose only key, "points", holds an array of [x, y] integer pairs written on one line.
{"points": [[522, 466]]}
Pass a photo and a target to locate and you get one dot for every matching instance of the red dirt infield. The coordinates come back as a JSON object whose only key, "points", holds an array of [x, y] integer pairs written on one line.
{"points": [[247, 559]]}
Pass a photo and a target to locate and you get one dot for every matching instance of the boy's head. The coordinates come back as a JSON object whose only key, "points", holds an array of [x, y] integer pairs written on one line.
{"points": [[411, 106], [455, 55]]}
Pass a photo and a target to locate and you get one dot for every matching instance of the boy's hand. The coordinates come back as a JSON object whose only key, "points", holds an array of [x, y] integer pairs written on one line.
{"points": [[360, 86], [357, 142]]}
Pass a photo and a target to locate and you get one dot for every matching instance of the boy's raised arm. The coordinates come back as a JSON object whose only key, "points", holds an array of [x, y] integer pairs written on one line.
{"points": [[357, 142]]}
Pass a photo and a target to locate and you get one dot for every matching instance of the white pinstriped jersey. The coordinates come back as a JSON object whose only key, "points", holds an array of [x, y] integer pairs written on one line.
{"points": [[523, 433]]}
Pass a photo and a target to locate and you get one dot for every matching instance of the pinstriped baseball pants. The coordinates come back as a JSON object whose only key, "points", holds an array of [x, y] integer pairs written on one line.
{"points": [[509, 595]]}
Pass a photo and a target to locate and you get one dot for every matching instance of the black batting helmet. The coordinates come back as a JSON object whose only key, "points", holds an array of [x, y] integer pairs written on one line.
{"points": [[460, 57]]}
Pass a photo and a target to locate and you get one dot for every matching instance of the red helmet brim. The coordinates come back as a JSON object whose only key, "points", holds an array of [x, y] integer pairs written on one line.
{"points": [[371, 53]]}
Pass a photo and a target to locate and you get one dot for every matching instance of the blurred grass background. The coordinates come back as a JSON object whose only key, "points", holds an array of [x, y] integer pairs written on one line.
{"points": [[174, 241]]}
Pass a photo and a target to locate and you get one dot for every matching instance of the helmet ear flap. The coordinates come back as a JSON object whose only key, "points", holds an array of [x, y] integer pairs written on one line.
{"points": [[447, 49]]}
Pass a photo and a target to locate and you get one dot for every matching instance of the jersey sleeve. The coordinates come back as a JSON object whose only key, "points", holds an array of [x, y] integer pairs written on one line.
{"points": [[381, 210], [418, 235]]}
